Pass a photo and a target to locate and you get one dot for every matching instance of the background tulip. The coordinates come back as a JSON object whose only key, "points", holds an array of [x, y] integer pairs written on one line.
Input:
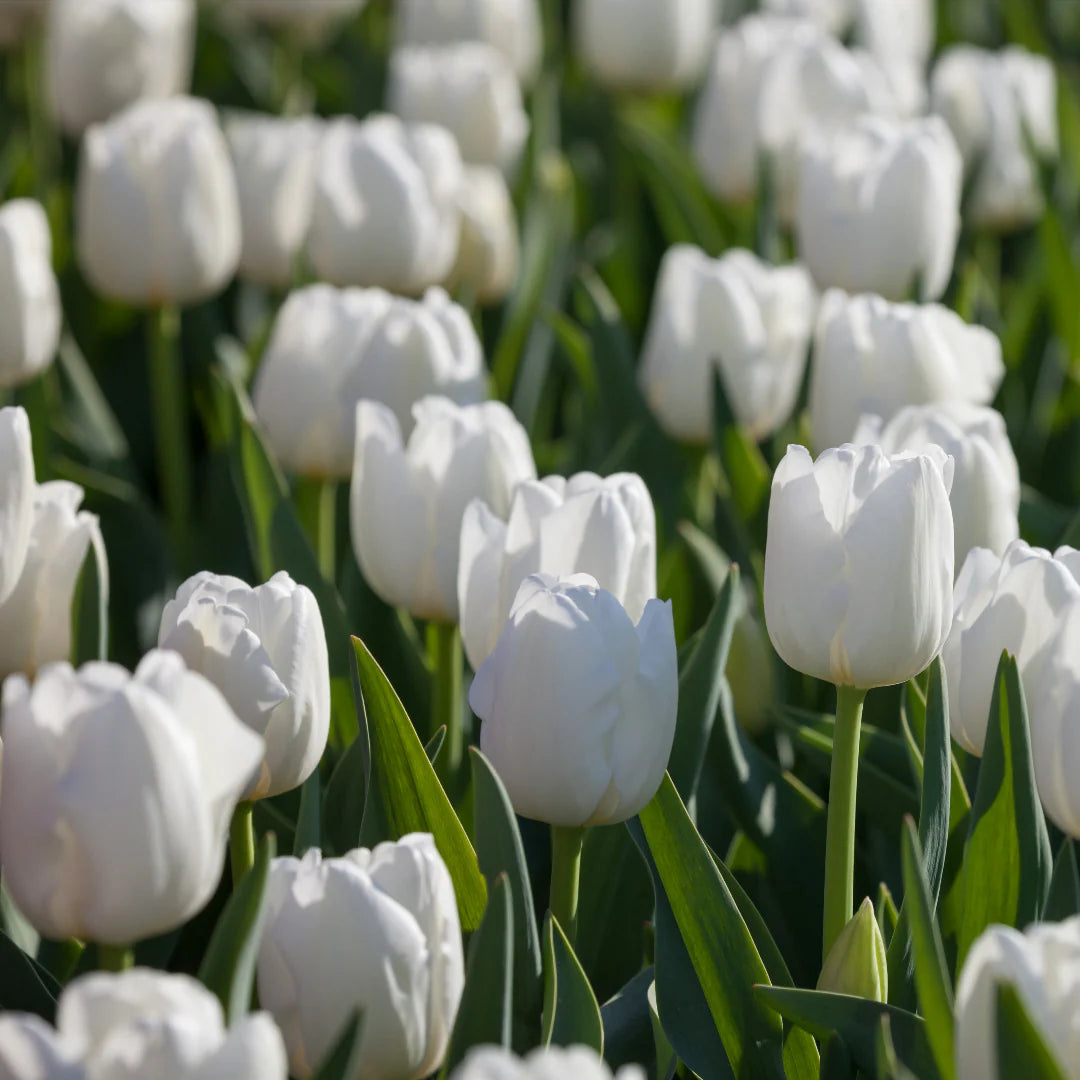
{"points": [[376, 930], [487, 261], [897, 30], [831, 15], [408, 501], [17, 489], [265, 650], [31, 1050], [544, 1063]]}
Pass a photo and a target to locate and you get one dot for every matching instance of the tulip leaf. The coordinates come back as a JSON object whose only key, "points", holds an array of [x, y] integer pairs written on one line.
{"points": [[308, 832], [1021, 1050], [343, 807], [571, 1015], [403, 793], [25, 986], [889, 1064], [836, 1062], [628, 1035], [1063, 900], [435, 744], [343, 1060]]}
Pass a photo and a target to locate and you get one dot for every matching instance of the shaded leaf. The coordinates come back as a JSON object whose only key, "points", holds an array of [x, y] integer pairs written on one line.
{"points": [[571, 1015]]}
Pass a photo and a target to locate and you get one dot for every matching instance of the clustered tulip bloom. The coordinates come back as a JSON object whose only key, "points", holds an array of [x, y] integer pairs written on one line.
{"points": [[544, 1063], [488, 255]]}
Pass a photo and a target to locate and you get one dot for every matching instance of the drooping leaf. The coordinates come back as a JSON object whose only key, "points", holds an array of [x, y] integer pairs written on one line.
{"points": [[571, 1015]]}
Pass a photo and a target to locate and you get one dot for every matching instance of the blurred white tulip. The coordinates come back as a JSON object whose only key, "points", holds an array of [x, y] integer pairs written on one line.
{"points": [[31, 1050], [17, 492], [897, 31], [543, 1063], [488, 257], [831, 15]]}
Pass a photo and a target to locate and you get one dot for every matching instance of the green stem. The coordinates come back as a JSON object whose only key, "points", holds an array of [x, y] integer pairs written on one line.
{"points": [[115, 958], [316, 504], [566, 842], [444, 657], [840, 835], [242, 841]]}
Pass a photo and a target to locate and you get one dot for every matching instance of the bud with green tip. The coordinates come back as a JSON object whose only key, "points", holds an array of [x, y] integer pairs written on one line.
{"points": [[856, 964]]}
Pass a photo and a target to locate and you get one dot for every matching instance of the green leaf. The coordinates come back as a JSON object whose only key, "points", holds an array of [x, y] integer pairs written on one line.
{"points": [[888, 1064], [403, 793], [343, 807], [308, 832], [571, 1015], [628, 1035], [342, 1062], [25, 986], [1021, 1050], [435, 743], [1063, 900], [228, 968]]}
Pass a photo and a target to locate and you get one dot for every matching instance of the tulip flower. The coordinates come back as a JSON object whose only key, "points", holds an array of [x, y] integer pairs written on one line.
{"points": [[115, 796], [897, 30], [375, 930], [879, 207], [1041, 965], [29, 293], [874, 357], [602, 527], [310, 20], [17, 489], [857, 963], [985, 493], [386, 204], [487, 261], [31, 1050], [543, 1063], [833, 16], [469, 89], [750, 321]]}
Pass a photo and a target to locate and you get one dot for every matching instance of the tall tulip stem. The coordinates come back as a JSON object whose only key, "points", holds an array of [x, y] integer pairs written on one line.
{"points": [[242, 841], [566, 843], [444, 656], [115, 958], [316, 503], [840, 835]]}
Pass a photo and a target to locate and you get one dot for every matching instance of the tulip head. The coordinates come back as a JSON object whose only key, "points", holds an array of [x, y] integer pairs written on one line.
{"points": [[856, 963], [487, 262], [31, 1050], [833, 16], [543, 1063]]}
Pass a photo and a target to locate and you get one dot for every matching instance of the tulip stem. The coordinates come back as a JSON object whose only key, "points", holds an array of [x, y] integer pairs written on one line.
{"points": [[566, 843], [444, 656], [316, 503], [115, 958], [840, 834], [242, 841]]}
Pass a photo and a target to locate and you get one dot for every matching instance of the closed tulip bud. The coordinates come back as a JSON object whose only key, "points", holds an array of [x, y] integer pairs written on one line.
{"points": [[985, 493], [736, 314], [833, 16], [408, 501], [470, 90], [265, 650], [134, 171], [578, 704], [487, 262], [543, 1063], [29, 293], [1011, 602], [851, 536], [116, 796], [871, 356], [17, 491], [312, 21], [879, 207], [644, 45], [376, 930], [103, 55], [330, 348], [602, 527], [274, 160], [1042, 965], [31, 1050], [1000, 106], [386, 204], [856, 963]]}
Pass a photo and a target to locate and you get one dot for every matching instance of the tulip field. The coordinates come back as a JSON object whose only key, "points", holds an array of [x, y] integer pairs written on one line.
{"points": [[539, 539]]}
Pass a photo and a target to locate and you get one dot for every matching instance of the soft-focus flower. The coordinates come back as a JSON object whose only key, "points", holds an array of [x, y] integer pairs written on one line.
{"points": [[487, 261], [330, 348], [31, 1050], [644, 45], [158, 218], [1042, 965], [1001, 107], [17, 491], [116, 796], [376, 930], [35, 620], [879, 207], [578, 704], [386, 204], [543, 1063], [274, 159], [407, 501], [103, 55], [985, 493], [859, 563], [856, 963], [511, 26], [265, 650], [470, 90], [737, 314], [602, 527], [1010, 602], [831, 15], [900, 31], [871, 356], [310, 20]]}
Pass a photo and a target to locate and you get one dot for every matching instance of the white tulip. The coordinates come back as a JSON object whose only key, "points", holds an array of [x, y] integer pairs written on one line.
{"points": [[900, 31], [602, 527], [31, 1050], [386, 204], [1013, 602], [469, 89], [871, 356], [29, 293], [274, 160], [737, 314], [543, 1063], [17, 491], [1042, 965], [879, 206], [135, 171], [311, 20], [103, 55], [116, 795], [859, 563], [488, 257], [831, 15], [578, 704], [408, 501], [330, 348], [376, 930], [640, 44], [985, 493], [265, 650]]}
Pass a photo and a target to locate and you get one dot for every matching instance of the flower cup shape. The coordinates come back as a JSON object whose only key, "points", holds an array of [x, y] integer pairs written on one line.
{"points": [[17, 493], [487, 261], [737, 315], [833, 16], [578, 704], [115, 796], [859, 563], [407, 501], [873, 357], [878, 207], [376, 930], [265, 650], [135, 169], [544, 1063]]}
